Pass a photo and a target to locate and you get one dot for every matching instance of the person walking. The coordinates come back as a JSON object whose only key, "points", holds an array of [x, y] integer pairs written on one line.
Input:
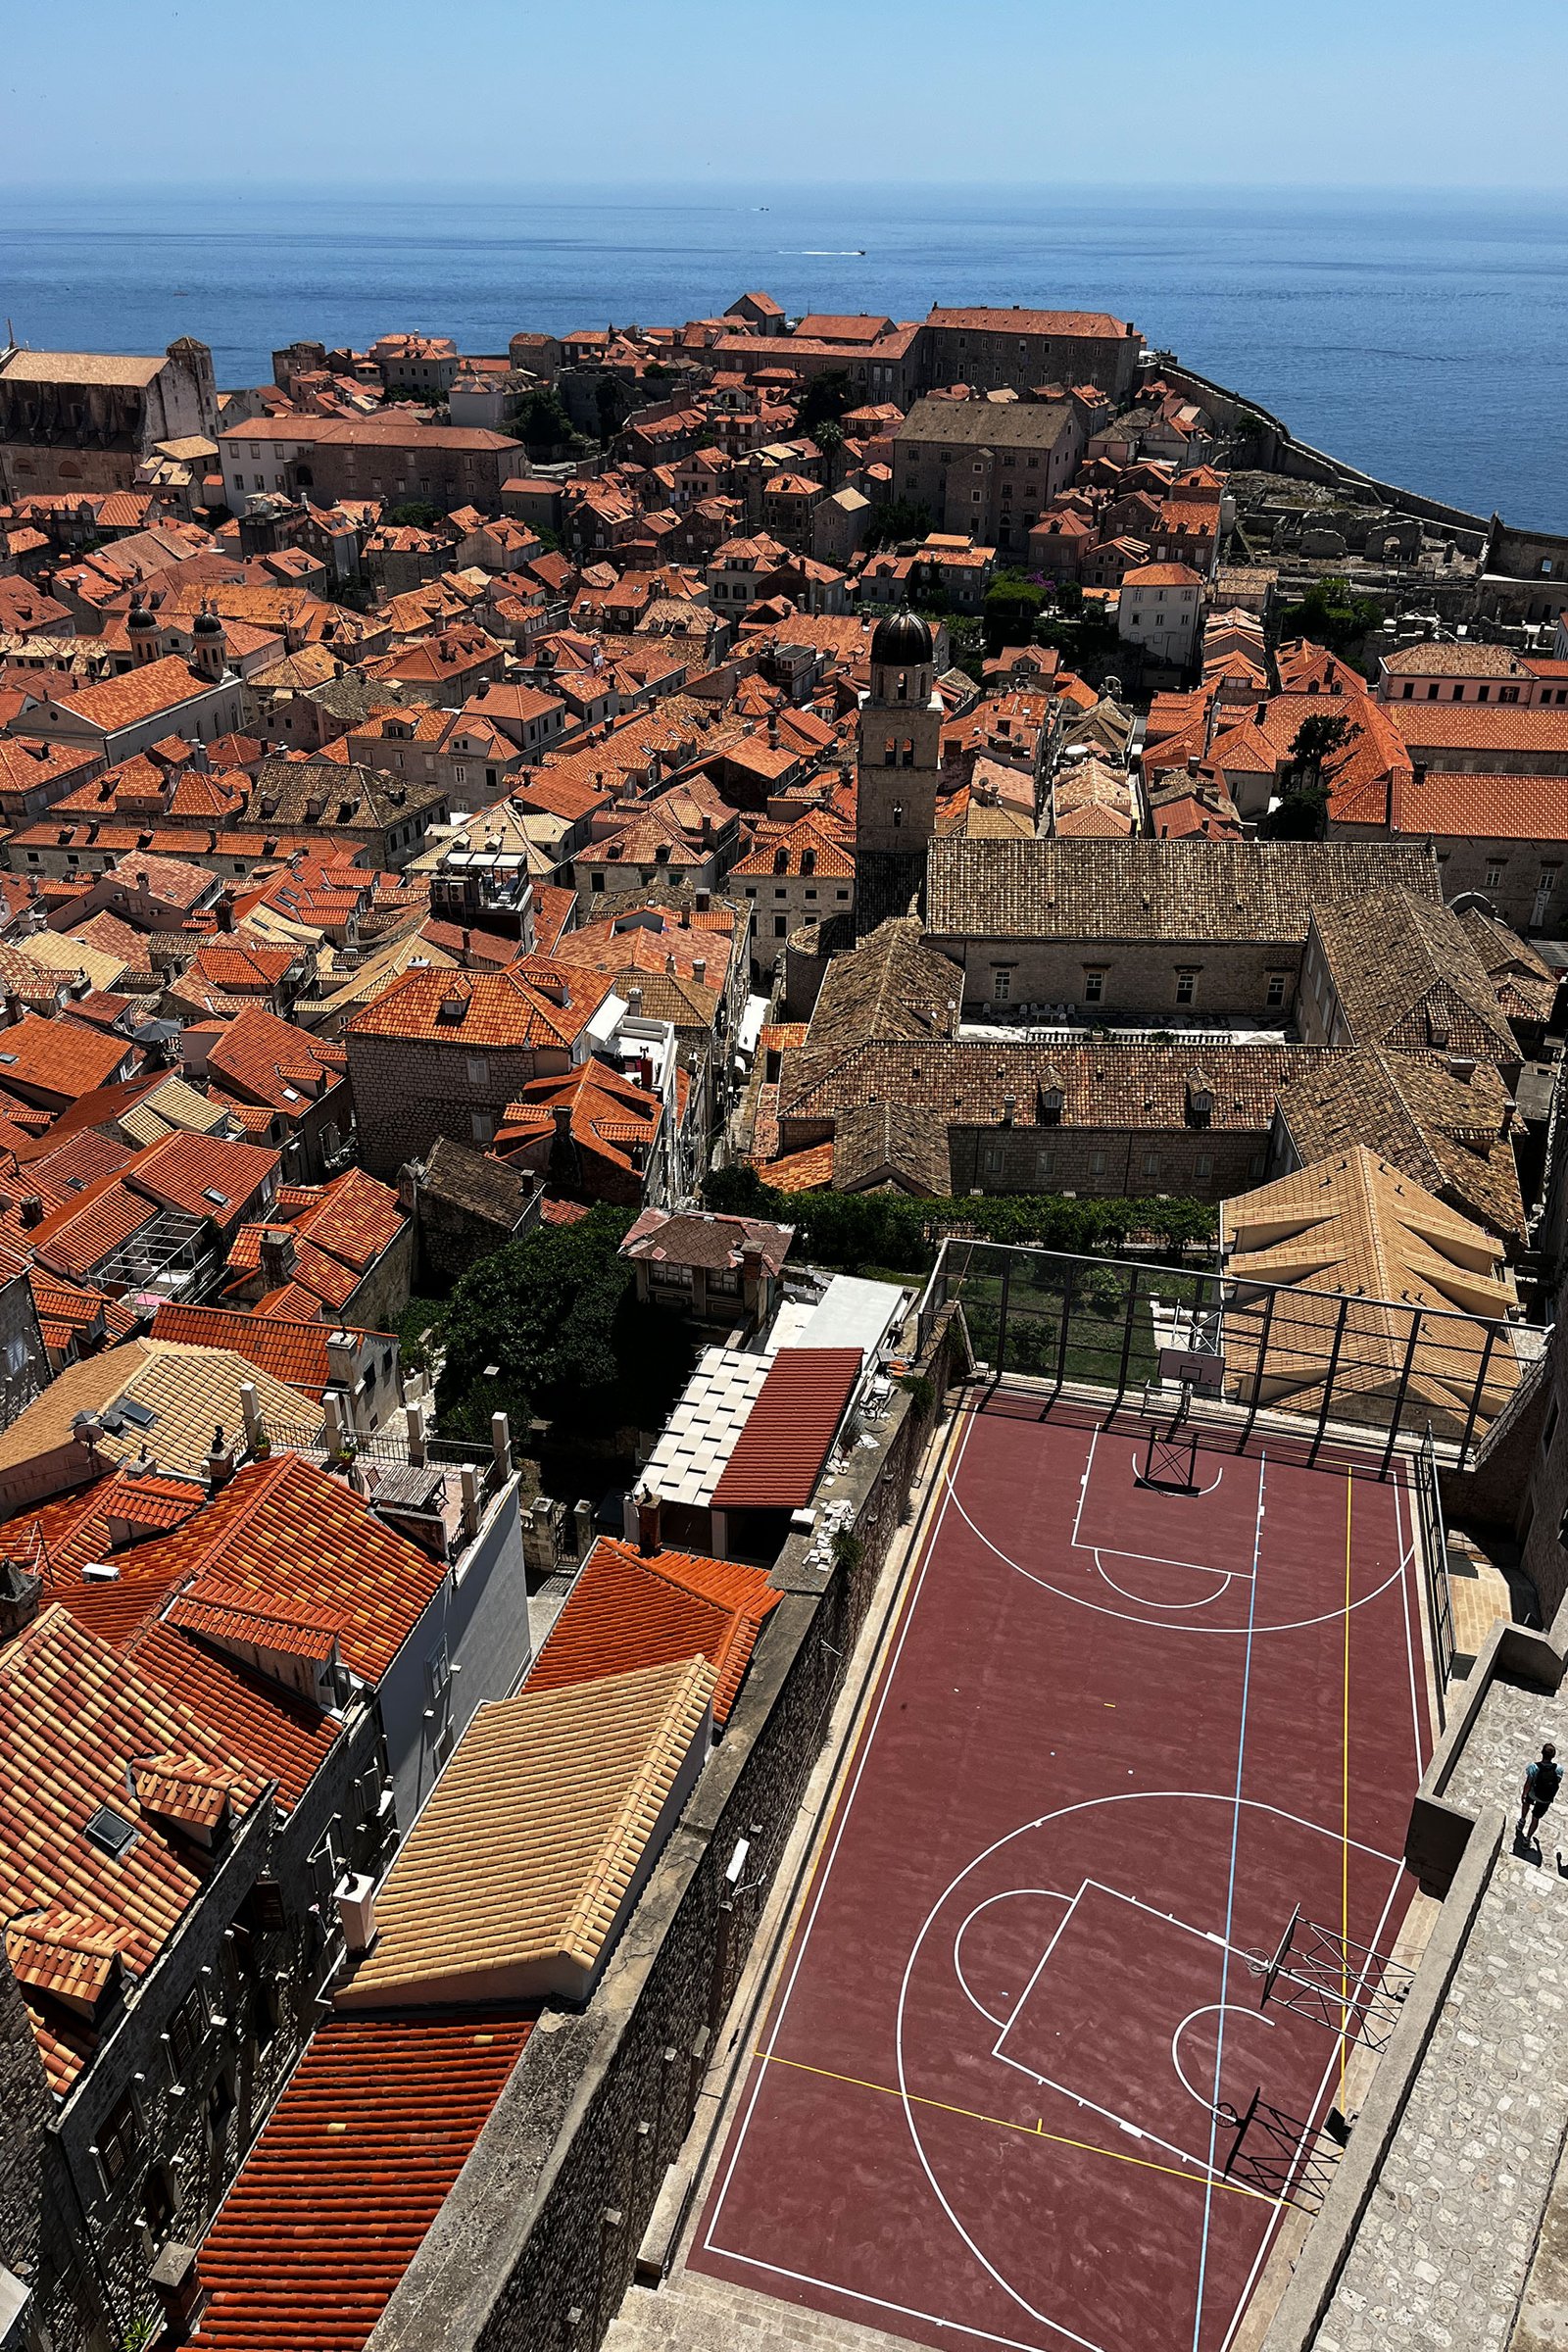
{"points": [[1543, 1780]]}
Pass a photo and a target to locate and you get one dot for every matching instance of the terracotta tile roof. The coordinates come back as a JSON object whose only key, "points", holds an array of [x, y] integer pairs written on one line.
{"points": [[513, 1881], [187, 1390], [123, 702], [349, 2170], [271, 1063], [1500, 807], [302, 1543], [789, 1432], [705, 1237], [1479, 727], [1354, 1225], [60, 1059], [80, 1716], [294, 1352], [808, 1171], [625, 1611], [1102, 1085], [609, 1116], [356, 1220], [497, 1008], [1095, 324]]}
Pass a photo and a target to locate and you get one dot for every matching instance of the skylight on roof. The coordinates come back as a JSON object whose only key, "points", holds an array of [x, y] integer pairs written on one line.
{"points": [[109, 1830], [209, 1192], [140, 1415]]}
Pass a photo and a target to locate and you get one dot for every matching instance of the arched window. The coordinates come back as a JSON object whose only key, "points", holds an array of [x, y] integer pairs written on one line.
{"points": [[903, 686], [781, 861], [890, 754], [898, 814], [909, 753], [807, 861]]}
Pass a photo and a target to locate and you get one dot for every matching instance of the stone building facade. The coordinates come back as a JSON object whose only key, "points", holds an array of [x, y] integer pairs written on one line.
{"points": [[85, 420]]}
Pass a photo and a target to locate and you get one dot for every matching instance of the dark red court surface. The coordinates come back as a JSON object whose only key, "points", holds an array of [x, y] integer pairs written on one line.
{"points": [[993, 2098]]}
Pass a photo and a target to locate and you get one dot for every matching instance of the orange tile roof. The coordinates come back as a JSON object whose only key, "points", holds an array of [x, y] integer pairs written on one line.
{"points": [[349, 2170], [626, 1611], [272, 1062], [789, 1432], [138, 694], [277, 1734], [60, 1058], [78, 1715], [294, 1352], [301, 1542], [1502, 807], [810, 1171], [498, 1008], [356, 1220]]}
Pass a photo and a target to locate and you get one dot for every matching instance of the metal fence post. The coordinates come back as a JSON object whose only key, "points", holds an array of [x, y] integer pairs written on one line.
{"points": [[1257, 1375], [1001, 1314], [1328, 1377], [1127, 1334], [1477, 1393], [1398, 1396], [1066, 1322]]}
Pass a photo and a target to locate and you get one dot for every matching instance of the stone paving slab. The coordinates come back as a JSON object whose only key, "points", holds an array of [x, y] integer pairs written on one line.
{"points": [[1445, 2252]]}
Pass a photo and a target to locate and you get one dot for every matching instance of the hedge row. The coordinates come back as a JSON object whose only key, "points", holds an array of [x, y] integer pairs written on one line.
{"points": [[894, 1229]]}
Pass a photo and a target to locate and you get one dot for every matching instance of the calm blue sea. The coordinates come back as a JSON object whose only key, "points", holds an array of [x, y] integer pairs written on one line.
{"points": [[1422, 338]]}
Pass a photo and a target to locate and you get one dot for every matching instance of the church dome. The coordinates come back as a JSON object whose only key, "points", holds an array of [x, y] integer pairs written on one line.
{"points": [[903, 641]]}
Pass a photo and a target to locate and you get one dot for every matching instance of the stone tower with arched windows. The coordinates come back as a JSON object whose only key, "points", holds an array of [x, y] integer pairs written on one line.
{"points": [[899, 754]]}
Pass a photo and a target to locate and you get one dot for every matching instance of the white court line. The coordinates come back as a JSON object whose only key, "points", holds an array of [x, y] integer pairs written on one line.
{"points": [[1213, 1632], [1299, 2157], [1158, 1559], [867, 1742], [1230, 1912], [951, 1473], [908, 2311], [1208, 2009], [1204, 1600], [1083, 1489], [1009, 1894]]}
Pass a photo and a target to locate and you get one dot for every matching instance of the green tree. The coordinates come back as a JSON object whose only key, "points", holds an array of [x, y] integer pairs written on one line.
{"points": [[1330, 615], [1301, 810], [551, 1324], [612, 405], [1013, 608], [542, 422], [415, 513], [893, 520], [826, 396]]}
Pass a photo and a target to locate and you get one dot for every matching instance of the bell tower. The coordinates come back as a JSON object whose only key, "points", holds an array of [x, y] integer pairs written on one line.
{"points": [[900, 753]]}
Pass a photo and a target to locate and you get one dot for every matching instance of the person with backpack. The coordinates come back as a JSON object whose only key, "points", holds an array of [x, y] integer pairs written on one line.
{"points": [[1543, 1780]]}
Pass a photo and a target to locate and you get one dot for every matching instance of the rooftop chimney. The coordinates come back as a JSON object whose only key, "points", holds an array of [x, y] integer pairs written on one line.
{"points": [[649, 1513]]}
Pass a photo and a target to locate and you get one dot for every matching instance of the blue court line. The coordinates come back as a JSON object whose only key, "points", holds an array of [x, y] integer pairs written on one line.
{"points": [[1230, 1908]]}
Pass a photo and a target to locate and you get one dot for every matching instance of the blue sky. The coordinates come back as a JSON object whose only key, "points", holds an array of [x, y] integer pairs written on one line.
{"points": [[592, 93]]}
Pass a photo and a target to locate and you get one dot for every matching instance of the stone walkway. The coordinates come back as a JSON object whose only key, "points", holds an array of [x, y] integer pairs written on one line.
{"points": [[1444, 2255]]}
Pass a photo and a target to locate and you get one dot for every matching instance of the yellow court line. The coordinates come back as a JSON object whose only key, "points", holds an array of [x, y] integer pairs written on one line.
{"points": [[1002, 2124], [1344, 1808]]}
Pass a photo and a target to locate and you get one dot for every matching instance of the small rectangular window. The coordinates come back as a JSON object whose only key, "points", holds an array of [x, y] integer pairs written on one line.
{"points": [[1276, 991], [1093, 988], [1186, 987]]}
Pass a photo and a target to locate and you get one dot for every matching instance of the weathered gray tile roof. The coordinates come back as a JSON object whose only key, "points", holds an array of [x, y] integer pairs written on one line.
{"points": [[1157, 890]]}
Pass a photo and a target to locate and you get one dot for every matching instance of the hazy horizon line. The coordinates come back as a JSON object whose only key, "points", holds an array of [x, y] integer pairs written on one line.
{"points": [[455, 193]]}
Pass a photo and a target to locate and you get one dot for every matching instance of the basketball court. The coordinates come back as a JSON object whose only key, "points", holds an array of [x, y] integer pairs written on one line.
{"points": [[1101, 1911]]}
